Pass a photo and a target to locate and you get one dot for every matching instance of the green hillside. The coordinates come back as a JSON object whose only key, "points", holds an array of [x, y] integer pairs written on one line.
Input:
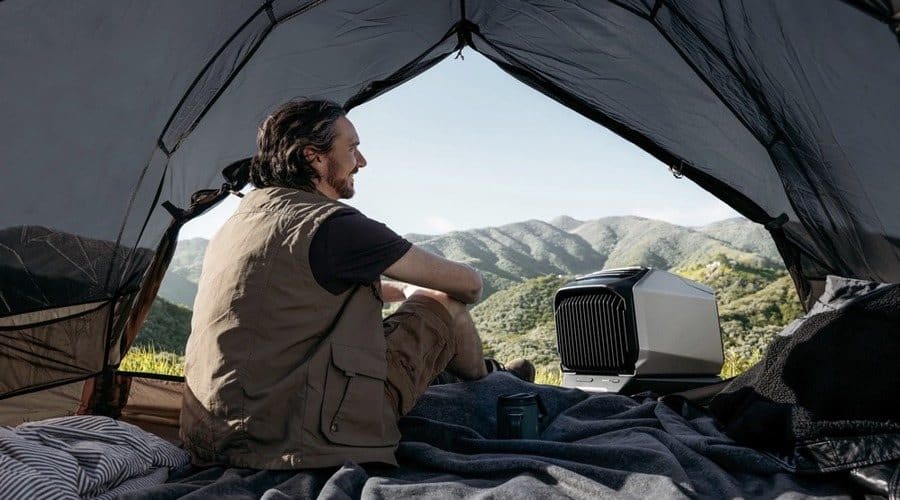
{"points": [[519, 308], [743, 235], [750, 323], [166, 329], [754, 303], [518, 322], [730, 279]]}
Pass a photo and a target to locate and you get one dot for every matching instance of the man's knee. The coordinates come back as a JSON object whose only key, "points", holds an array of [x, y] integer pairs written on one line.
{"points": [[453, 306]]}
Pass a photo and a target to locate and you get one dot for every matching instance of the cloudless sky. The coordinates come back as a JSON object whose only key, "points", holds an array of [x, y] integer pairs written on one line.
{"points": [[464, 145]]}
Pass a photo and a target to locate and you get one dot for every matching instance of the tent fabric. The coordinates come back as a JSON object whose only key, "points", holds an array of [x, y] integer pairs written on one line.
{"points": [[785, 110], [53, 402], [154, 404]]}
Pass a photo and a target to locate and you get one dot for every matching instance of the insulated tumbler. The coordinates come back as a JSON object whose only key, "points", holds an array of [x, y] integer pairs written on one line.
{"points": [[518, 416]]}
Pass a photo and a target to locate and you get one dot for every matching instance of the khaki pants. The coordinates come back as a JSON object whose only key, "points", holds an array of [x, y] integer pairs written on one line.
{"points": [[419, 346]]}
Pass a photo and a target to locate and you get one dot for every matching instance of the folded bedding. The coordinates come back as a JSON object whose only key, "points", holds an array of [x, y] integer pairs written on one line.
{"points": [[82, 457], [825, 395]]}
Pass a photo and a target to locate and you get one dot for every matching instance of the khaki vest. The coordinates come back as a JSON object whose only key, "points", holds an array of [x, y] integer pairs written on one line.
{"points": [[267, 386]]}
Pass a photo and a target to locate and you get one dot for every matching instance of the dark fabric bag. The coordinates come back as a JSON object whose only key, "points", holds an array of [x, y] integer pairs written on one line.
{"points": [[826, 395]]}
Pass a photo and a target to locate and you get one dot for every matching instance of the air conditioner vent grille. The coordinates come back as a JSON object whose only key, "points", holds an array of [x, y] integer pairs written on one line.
{"points": [[594, 333]]}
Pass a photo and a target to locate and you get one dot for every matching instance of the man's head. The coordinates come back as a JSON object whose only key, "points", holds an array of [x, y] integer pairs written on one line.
{"points": [[308, 145]]}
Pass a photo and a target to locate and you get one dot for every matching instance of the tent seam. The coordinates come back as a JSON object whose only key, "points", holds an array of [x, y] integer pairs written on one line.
{"points": [[127, 215], [156, 196], [70, 304], [52, 321], [237, 69], [768, 113], [655, 10], [203, 72], [42, 387], [170, 151], [699, 74], [362, 97], [743, 80]]}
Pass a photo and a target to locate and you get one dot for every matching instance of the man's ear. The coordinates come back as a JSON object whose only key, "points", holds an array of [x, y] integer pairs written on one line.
{"points": [[315, 158]]}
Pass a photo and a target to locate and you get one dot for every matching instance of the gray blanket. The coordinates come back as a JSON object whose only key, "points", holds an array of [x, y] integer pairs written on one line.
{"points": [[592, 447]]}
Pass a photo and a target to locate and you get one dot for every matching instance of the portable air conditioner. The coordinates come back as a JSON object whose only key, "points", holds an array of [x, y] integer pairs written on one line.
{"points": [[635, 329]]}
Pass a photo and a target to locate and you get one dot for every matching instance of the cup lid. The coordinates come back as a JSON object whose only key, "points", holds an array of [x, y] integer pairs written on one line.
{"points": [[522, 398]]}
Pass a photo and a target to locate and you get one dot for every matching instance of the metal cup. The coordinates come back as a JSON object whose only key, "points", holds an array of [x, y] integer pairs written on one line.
{"points": [[519, 416]]}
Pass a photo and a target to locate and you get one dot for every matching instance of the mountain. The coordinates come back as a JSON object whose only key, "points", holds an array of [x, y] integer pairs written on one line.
{"points": [[416, 237], [179, 285], [178, 289], [566, 223], [509, 254], [512, 253], [744, 235], [629, 240]]}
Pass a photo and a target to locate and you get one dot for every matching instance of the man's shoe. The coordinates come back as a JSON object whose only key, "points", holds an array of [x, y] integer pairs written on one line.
{"points": [[493, 365], [522, 368]]}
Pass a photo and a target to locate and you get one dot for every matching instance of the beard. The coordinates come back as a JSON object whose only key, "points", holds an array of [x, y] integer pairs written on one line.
{"points": [[343, 187]]}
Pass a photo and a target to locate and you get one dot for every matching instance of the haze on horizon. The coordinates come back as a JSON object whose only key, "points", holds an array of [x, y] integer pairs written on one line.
{"points": [[466, 146]]}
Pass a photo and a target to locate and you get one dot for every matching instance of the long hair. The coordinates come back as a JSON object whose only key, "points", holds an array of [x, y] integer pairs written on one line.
{"points": [[279, 160]]}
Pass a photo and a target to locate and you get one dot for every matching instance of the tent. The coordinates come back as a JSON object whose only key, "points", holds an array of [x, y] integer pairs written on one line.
{"points": [[118, 119]]}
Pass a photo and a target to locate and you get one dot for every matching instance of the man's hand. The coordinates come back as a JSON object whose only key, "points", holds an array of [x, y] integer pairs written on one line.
{"points": [[393, 291], [396, 291], [419, 267]]}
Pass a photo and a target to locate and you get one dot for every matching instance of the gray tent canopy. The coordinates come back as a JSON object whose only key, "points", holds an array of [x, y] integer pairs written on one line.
{"points": [[118, 115]]}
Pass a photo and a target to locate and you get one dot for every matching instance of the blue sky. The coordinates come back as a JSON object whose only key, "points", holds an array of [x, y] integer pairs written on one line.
{"points": [[464, 145]]}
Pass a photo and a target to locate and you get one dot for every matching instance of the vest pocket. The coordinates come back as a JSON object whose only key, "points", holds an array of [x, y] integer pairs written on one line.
{"points": [[353, 406]]}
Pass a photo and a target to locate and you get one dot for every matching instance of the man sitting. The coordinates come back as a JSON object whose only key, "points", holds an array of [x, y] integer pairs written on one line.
{"points": [[289, 363]]}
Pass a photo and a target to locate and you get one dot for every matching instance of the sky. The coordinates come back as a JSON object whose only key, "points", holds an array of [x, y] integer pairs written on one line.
{"points": [[464, 145]]}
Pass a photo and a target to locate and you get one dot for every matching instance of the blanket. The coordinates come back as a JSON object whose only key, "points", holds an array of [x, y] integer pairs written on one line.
{"points": [[82, 457], [591, 446]]}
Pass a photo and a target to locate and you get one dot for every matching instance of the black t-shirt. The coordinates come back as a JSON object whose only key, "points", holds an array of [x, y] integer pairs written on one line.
{"points": [[350, 248]]}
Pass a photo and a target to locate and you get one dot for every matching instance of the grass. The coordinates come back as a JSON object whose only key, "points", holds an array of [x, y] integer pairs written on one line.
{"points": [[150, 360], [736, 364], [547, 376]]}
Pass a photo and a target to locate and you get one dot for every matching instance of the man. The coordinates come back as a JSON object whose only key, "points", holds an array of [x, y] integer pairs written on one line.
{"points": [[289, 364]]}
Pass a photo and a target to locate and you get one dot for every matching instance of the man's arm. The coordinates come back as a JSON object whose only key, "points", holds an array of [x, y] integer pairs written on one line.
{"points": [[422, 268], [393, 291]]}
